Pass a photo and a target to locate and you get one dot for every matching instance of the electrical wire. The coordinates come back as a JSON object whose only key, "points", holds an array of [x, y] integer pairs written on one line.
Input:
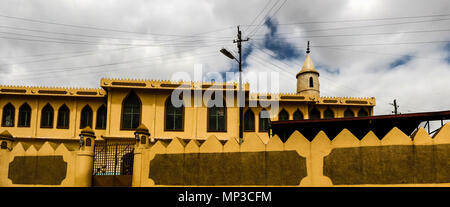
{"points": [[357, 34], [91, 27], [365, 26], [253, 32], [379, 53], [265, 6], [357, 20], [99, 43], [107, 50], [42, 74], [384, 44], [109, 37]]}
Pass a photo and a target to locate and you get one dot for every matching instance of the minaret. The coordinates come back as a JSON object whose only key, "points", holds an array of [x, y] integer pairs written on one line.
{"points": [[308, 78]]}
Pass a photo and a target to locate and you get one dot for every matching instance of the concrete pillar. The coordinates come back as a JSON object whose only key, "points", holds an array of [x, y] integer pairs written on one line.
{"points": [[142, 142], [6, 140], [85, 158]]}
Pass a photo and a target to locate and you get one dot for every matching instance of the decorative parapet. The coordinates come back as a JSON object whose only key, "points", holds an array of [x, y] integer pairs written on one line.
{"points": [[357, 101], [394, 160], [52, 91], [294, 97], [168, 84], [281, 97]]}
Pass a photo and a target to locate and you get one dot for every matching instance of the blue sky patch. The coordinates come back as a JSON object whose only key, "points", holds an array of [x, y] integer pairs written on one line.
{"points": [[334, 71], [447, 49], [247, 49], [401, 61], [282, 49]]}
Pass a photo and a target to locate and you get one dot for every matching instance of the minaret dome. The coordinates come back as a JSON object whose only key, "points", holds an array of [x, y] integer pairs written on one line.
{"points": [[308, 77]]}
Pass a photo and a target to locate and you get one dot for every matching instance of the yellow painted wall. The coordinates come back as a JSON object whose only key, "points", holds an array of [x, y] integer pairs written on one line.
{"points": [[152, 115], [195, 123], [37, 103], [315, 152], [153, 99], [46, 149], [47, 170]]}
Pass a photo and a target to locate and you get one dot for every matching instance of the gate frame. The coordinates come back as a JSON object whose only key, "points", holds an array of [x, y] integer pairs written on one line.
{"points": [[117, 177]]}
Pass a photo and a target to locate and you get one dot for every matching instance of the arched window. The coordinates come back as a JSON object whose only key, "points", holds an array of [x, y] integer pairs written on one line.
{"points": [[349, 113], [283, 115], [24, 115], [249, 121], [86, 117], [174, 116], [88, 142], [311, 82], [131, 112], [101, 118], [63, 117], [217, 118], [263, 121], [298, 115], [47, 116], [362, 113], [314, 114], [8, 115], [328, 114]]}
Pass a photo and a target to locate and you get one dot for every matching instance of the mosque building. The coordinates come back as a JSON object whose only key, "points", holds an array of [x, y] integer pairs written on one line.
{"points": [[116, 109]]}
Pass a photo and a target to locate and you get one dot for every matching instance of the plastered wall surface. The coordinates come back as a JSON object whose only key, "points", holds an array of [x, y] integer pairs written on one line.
{"points": [[394, 160]]}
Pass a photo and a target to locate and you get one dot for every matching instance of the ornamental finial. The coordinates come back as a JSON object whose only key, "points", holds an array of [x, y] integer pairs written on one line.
{"points": [[307, 49]]}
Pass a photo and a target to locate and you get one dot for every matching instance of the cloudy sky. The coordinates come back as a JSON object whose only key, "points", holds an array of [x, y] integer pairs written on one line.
{"points": [[365, 48]]}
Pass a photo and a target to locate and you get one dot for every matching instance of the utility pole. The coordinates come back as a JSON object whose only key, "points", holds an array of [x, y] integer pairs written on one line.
{"points": [[241, 96], [395, 107]]}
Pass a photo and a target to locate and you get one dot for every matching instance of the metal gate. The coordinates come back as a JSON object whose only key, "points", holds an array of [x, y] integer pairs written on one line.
{"points": [[113, 164]]}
